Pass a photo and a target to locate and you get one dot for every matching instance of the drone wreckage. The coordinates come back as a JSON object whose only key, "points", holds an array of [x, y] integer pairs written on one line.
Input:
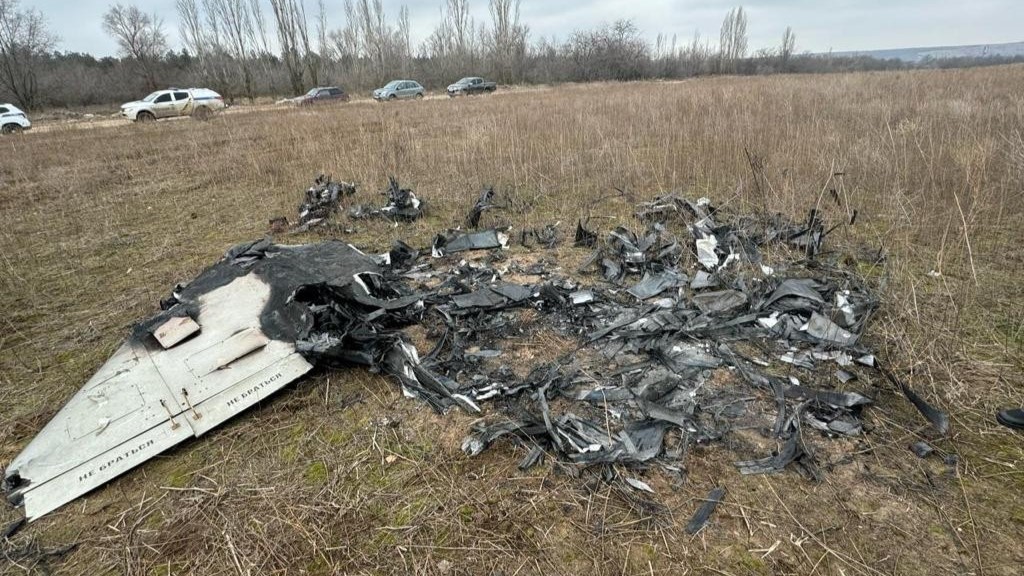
{"points": [[639, 390]]}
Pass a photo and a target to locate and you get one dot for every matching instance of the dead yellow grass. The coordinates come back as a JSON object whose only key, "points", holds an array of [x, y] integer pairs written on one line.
{"points": [[341, 475]]}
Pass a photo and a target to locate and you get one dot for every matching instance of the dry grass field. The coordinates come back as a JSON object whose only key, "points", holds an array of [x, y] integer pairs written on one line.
{"points": [[341, 475]]}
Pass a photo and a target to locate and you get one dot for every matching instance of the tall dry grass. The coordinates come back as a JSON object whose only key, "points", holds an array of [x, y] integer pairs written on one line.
{"points": [[341, 476]]}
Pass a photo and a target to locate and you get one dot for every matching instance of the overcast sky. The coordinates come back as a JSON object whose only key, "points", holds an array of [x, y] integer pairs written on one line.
{"points": [[820, 25]]}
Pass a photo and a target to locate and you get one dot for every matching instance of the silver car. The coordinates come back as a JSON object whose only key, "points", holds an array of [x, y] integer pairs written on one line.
{"points": [[399, 89]]}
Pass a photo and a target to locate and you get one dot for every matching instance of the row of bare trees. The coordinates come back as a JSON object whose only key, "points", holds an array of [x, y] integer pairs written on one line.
{"points": [[252, 48]]}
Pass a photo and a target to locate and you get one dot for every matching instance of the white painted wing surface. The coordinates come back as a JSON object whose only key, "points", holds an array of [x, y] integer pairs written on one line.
{"points": [[147, 397]]}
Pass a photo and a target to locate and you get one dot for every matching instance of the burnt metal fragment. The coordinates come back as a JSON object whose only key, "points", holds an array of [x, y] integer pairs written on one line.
{"points": [[461, 242], [792, 450], [653, 284], [321, 201], [703, 514], [483, 204], [402, 205], [937, 418], [921, 449], [721, 302], [546, 236], [402, 255], [12, 529], [534, 457], [584, 237]]}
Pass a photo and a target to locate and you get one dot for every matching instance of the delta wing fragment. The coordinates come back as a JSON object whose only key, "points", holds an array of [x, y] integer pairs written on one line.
{"points": [[117, 420], [146, 399], [225, 342]]}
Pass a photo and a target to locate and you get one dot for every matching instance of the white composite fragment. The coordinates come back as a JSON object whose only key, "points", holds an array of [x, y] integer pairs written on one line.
{"points": [[838, 356], [844, 305], [640, 485], [706, 252], [769, 322], [822, 328], [175, 330]]}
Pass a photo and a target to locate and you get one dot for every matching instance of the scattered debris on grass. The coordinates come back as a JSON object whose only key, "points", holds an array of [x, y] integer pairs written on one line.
{"points": [[703, 323], [546, 236], [322, 201], [402, 205]]}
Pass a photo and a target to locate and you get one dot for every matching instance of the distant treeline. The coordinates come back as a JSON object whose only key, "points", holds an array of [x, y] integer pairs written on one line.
{"points": [[245, 51]]}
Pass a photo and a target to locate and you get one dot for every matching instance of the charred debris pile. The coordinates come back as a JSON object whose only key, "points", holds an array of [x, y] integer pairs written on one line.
{"points": [[693, 325], [325, 198], [690, 326]]}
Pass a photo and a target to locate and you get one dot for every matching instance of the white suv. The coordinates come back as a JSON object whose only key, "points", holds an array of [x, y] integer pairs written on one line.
{"points": [[12, 120], [197, 102]]}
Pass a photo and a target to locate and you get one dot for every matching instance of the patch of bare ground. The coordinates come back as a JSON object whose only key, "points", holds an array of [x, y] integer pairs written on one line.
{"points": [[339, 474]]}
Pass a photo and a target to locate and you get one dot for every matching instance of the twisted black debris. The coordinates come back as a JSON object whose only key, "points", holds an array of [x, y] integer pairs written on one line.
{"points": [[646, 364], [547, 236], [483, 204], [402, 205], [706, 325], [322, 200]]}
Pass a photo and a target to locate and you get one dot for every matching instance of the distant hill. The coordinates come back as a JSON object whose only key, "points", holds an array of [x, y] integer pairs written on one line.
{"points": [[1009, 50]]}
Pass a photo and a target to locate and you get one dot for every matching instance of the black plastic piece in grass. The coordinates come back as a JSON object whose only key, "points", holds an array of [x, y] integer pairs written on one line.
{"points": [[703, 514]]}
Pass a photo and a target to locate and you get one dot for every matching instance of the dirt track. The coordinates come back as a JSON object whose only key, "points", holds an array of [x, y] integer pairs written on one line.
{"points": [[114, 120]]}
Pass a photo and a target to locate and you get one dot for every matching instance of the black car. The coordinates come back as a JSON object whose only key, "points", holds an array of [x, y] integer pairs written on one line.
{"points": [[322, 95]]}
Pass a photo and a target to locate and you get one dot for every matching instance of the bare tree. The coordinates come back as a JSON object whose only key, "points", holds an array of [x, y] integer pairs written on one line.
{"points": [[612, 52], [739, 40], [732, 40], [370, 17], [725, 41], [507, 40], [453, 45], [455, 13], [234, 23], [697, 56], [310, 59], [259, 28], [263, 53], [323, 48], [190, 28], [345, 43], [667, 56], [786, 50], [140, 37], [403, 41], [24, 42], [200, 33], [292, 38]]}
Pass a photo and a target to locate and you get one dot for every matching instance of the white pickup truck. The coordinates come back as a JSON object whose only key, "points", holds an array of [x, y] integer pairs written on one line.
{"points": [[200, 103]]}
